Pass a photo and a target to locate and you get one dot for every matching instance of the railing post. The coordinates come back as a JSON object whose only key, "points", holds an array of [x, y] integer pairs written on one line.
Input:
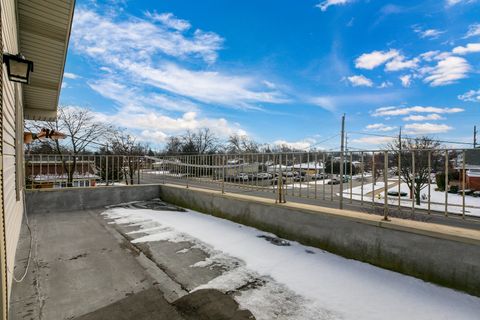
{"points": [[138, 170], [106, 169], [324, 168], [373, 179], [446, 183], [463, 185], [331, 173], [187, 169], [413, 182], [280, 182], [316, 173], [223, 174], [429, 182], [351, 177], [362, 182], [399, 172], [385, 183]]}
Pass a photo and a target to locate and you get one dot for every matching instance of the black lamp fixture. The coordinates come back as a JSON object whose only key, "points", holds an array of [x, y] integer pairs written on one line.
{"points": [[18, 68]]}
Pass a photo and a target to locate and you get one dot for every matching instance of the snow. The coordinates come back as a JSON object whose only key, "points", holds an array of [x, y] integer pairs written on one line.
{"points": [[296, 281], [437, 198]]}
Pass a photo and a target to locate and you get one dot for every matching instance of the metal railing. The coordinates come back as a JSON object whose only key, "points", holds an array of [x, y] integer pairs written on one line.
{"points": [[393, 182]]}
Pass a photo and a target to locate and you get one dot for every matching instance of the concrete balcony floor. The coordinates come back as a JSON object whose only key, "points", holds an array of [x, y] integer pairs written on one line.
{"points": [[83, 268]]}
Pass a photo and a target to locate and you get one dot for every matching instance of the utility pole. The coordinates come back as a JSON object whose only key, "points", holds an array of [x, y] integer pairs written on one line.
{"points": [[342, 149], [475, 136], [346, 152]]}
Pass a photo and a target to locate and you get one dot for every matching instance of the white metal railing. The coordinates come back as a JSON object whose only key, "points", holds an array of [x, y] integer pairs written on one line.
{"points": [[443, 181]]}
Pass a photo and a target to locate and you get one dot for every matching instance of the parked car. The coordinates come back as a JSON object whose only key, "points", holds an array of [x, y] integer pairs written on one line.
{"points": [[241, 177], [334, 181], [263, 175], [318, 176], [337, 180], [288, 174], [395, 193], [468, 192], [299, 178]]}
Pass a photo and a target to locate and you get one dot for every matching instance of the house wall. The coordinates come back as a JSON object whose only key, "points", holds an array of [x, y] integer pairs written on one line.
{"points": [[12, 141], [473, 183]]}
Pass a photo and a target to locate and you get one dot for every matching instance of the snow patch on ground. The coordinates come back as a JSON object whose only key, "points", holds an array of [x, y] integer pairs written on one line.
{"points": [[296, 281], [437, 198]]}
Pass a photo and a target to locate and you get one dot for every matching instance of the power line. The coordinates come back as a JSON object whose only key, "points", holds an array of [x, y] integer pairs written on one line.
{"points": [[407, 138], [325, 140]]}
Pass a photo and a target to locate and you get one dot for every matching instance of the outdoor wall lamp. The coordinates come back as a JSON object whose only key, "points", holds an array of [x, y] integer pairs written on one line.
{"points": [[18, 68]]}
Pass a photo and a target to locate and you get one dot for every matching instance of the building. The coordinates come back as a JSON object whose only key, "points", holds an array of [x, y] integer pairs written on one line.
{"points": [[472, 169], [40, 31], [52, 174]]}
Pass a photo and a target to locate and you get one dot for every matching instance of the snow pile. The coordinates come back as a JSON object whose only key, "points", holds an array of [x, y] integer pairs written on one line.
{"points": [[299, 282]]}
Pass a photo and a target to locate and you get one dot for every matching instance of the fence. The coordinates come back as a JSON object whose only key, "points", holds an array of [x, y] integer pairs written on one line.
{"points": [[445, 181]]}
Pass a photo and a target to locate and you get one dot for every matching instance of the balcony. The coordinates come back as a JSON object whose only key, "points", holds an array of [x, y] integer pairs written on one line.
{"points": [[107, 250]]}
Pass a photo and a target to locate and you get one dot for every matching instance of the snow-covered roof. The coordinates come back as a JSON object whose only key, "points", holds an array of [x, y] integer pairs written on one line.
{"points": [[59, 177], [309, 165], [473, 173]]}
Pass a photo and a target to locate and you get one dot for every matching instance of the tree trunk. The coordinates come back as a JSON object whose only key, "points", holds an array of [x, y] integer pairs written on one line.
{"points": [[417, 194]]}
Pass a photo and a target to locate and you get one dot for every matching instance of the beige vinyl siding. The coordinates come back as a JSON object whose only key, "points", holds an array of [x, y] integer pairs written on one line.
{"points": [[13, 209]]}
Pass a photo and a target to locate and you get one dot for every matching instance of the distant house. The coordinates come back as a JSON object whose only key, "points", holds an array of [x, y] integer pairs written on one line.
{"points": [[309, 167], [52, 174], [472, 168]]}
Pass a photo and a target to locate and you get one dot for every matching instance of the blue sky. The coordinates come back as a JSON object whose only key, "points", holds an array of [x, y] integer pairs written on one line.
{"points": [[279, 71]]}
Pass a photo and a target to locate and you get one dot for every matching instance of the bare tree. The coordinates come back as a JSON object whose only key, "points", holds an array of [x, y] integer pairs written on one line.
{"points": [[201, 141], [82, 131], [131, 149], [242, 144], [414, 154]]}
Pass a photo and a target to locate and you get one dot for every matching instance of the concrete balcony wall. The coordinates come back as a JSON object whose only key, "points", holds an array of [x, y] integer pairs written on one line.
{"points": [[447, 256], [65, 199]]}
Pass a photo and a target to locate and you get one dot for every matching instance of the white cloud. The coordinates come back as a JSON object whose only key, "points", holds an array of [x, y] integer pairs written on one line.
{"points": [[473, 30], [470, 48], [436, 55], [206, 86], [64, 85], [70, 75], [426, 128], [153, 125], [333, 102], [379, 127], [430, 55], [304, 144], [401, 111], [393, 59], [471, 95], [139, 50], [170, 21], [451, 3], [327, 3], [447, 71], [428, 33], [373, 140], [406, 80], [360, 81], [269, 84], [374, 59], [385, 84], [399, 63], [416, 117], [129, 95], [139, 39]]}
